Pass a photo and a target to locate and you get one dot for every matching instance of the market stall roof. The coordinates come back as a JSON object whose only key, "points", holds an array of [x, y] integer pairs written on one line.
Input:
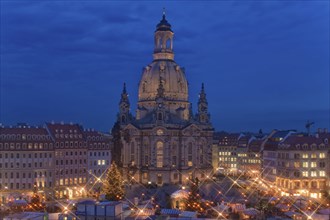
{"points": [[187, 214], [251, 212], [170, 212], [180, 194]]}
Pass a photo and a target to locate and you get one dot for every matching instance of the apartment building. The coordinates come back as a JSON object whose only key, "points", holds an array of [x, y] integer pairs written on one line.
{"points": [[26, 160], [53, 157], [98, 157], [302, 165], [224, 151]]}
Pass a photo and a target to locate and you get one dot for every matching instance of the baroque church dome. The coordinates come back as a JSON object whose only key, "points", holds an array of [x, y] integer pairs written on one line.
{"points": [[172, 77], [164, 69]]}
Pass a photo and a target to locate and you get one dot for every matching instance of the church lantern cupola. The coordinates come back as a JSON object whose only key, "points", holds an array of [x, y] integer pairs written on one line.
{"points": [[163, 41]]}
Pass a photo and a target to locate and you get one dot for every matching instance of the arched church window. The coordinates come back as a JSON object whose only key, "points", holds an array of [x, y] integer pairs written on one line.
{"points": [[160, 116], [190, 148], [160, 153], [168, 43], [123, 118], [190, 163], [132, 152]]}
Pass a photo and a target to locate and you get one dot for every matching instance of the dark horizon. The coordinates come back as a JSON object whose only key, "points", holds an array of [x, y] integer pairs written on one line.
{"points": [[265, 65]]}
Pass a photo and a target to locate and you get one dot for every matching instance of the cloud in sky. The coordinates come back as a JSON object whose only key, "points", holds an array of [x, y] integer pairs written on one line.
{"points": [[262, 62]]}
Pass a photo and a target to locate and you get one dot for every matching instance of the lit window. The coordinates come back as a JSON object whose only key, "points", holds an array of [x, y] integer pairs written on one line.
{"points": [[103, 162], [313, 164], [305, 173], [305, 156], [322, 155], [305, 164], [98, 162], [322, 173], [313, 174], [314, 195], [190, 163], [313, 156]]}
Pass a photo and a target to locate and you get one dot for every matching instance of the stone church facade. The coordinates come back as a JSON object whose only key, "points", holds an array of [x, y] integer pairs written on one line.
{"points": [[165, 142]]}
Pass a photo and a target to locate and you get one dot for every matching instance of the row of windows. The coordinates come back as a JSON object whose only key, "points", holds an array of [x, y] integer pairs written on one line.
{"points": [[313, 173], [231, 159], [68, 136], [99, 154], [23, 185], [71, 153], [95, 172], [71, 144], [95, 138], [305, 164], [36, 146], [304, 184], [101, 162], [25, 175], [24, 165], [67, 162], [24, 137], [321, 155], [71, 181], [17, 155], [26, 146], [71, 171]]}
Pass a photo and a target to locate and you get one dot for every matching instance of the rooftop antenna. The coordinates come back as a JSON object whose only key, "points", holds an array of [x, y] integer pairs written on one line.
{"points": [[308, 126]]}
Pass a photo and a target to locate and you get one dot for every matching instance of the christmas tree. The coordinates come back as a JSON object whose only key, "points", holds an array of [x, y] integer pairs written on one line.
{"points": [[35, 203], [113, 185], [193, 202]]}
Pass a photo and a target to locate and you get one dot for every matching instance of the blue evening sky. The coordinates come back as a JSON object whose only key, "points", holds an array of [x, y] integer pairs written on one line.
{"points": [[265, 64]]}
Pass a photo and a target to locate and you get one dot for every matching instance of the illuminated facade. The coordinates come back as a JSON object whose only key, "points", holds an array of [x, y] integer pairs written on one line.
{"points": [[54, 157], [238, 154], [225, 149], [302, 165], [26, 159], [165, 142], [98, 157]]}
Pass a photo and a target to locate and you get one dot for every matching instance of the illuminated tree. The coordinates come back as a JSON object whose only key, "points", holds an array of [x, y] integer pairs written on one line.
{"points": [[113, 185], [193, 202], [36, 203]]}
